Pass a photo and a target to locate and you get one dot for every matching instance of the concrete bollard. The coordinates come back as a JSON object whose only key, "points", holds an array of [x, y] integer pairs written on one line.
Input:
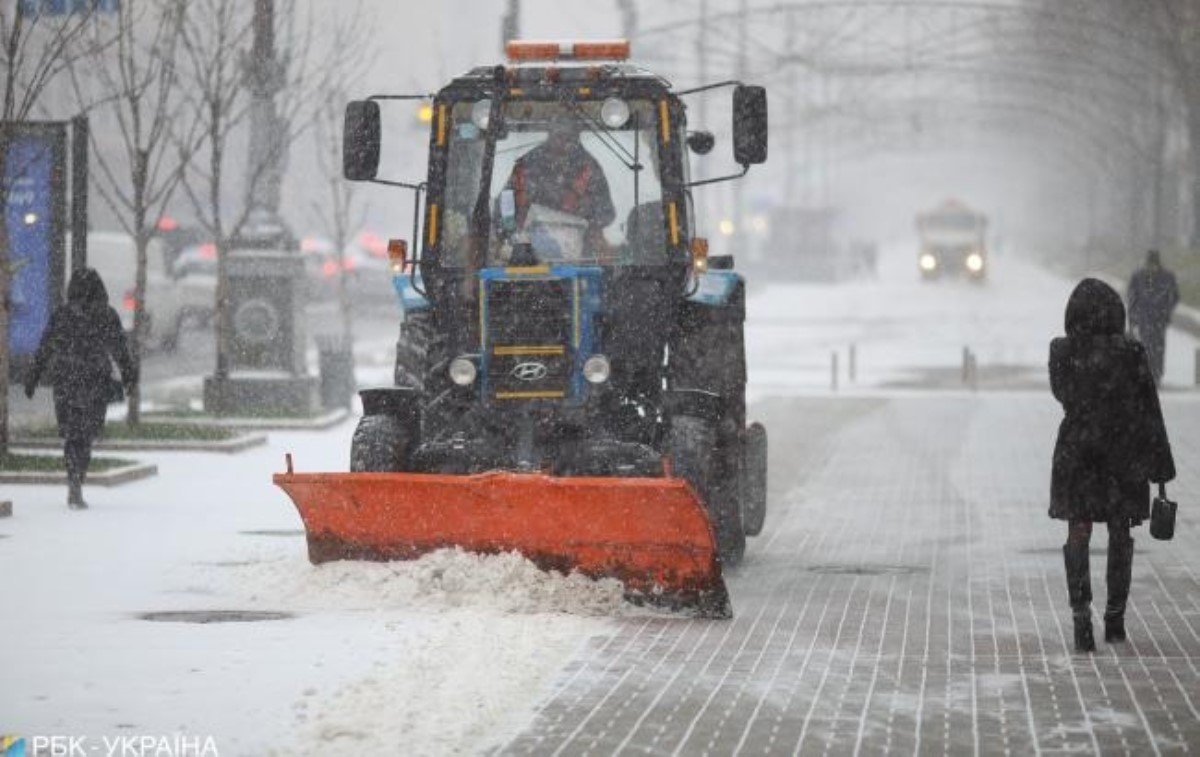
{"points": [[833, 372], [970, 368], [852, 364]]}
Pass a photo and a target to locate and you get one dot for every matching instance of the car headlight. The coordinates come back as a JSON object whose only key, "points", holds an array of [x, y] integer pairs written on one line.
{"points": [[596, 369], [975, 262], [928, 262], [462, 371]]}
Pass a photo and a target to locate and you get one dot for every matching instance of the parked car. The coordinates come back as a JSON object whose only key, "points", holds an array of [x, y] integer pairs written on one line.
{"points": [[195, 269], [114, 255], [367, 274]]}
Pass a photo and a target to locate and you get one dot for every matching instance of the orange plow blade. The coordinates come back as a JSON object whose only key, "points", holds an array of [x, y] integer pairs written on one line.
{"points": [[652, 534]]}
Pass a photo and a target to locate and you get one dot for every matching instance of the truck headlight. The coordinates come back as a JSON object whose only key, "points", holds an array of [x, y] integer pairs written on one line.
{"points": [[596, 369], [974, 262], [927, 262], [462, 371]]}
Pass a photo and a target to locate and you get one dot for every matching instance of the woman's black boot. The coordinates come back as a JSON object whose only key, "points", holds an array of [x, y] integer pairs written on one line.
{"points": [[1079, 590], [1120, 571], [72, 456]]}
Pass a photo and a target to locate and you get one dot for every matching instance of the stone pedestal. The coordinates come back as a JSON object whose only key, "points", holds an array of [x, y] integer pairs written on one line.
{"points": [[267, 373]]}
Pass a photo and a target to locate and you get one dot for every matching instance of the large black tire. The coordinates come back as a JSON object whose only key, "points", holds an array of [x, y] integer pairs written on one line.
{"points": [[381, 444], [418, 351], [754, 480], [692, 444]]}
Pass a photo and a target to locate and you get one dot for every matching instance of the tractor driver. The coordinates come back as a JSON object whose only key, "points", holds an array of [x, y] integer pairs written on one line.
{"points": [[560, 174]]}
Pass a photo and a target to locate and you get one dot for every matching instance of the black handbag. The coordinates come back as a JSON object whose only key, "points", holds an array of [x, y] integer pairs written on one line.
{"points": [[1162, 516]]}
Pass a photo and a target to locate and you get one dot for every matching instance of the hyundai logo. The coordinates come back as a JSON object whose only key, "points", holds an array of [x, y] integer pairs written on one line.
{"points": [[531, 371]]}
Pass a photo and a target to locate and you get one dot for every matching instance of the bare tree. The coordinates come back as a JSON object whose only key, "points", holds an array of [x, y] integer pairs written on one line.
{"points": [[215, 34], [34, 50], [339, 211], [136, 84]]}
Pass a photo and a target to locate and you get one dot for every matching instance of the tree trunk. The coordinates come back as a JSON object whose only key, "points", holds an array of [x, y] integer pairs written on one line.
{"points": [[141, 242], [5, 297], [1194, 152]]}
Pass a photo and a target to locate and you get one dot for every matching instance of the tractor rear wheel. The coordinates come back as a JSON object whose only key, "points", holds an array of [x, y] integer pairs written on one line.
{"points": [[754, 479], [693, 444]]}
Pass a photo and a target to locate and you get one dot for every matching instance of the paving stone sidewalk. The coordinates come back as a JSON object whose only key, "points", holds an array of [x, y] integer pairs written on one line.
{"points": [[906, 597]]}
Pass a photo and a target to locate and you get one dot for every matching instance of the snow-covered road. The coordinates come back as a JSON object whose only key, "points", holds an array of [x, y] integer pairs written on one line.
{"points": [[454, 654]]}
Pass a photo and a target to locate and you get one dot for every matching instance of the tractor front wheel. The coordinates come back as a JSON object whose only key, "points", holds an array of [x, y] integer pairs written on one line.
{"points": [[381, 444]]}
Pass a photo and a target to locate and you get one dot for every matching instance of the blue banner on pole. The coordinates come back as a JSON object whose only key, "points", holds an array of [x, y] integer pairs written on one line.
{"points": [[36, 199], [67, 7]]}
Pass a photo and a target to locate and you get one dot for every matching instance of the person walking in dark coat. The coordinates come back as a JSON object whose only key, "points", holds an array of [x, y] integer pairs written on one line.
{"points": [[1111, 443], [82, 340], [1153, 295]]}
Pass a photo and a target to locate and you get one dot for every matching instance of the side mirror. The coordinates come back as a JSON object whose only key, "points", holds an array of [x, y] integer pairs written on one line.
{"points": [[749, 125], [701, 142], [360, 141]]}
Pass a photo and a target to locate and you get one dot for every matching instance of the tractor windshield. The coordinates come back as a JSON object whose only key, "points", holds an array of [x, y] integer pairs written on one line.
{"points": [[572, 182]]}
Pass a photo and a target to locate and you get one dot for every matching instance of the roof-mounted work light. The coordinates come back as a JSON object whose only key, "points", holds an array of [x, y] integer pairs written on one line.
{"points": [[525, 50]]}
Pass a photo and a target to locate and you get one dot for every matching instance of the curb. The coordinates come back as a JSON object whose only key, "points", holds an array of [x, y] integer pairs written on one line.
{"points": [[234, 444], [315, 423], [111, 477]]}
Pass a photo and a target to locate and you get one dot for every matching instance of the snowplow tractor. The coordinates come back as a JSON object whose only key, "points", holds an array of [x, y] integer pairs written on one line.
{"points": [[570, 371]]}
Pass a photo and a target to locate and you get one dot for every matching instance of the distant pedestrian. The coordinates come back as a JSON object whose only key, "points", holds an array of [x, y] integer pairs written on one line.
{"points": [[81, 342], [1153, 295], [1111, 443]]}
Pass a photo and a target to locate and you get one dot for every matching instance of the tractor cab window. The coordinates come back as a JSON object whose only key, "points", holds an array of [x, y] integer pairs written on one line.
{"points": [[572, 182]]}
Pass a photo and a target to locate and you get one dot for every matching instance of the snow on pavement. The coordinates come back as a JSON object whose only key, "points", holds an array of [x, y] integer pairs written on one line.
{"points": [[447, 655], [441, 654]]}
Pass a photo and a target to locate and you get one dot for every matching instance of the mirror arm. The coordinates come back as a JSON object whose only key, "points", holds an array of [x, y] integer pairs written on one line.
{"points": [[412, 273], [401, 97], [745, 170], [706, 87], [403, 185]]}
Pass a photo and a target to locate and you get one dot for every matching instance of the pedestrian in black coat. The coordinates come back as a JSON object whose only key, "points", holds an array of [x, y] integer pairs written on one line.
{"points": [[1153, 294], [1111, 444], [80, 343]]}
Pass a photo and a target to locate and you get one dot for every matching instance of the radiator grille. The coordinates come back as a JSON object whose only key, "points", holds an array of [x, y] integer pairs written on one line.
{"points": [[529, 325]]}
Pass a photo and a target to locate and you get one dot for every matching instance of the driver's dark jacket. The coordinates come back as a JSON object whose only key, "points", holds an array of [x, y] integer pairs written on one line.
{"points": [[572, 183]]}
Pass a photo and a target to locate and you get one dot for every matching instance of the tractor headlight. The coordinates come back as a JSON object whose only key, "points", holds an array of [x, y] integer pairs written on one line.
{"points": [[462, 371], [596, 369], [928, 262], [614, 112], [974, 262]]}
